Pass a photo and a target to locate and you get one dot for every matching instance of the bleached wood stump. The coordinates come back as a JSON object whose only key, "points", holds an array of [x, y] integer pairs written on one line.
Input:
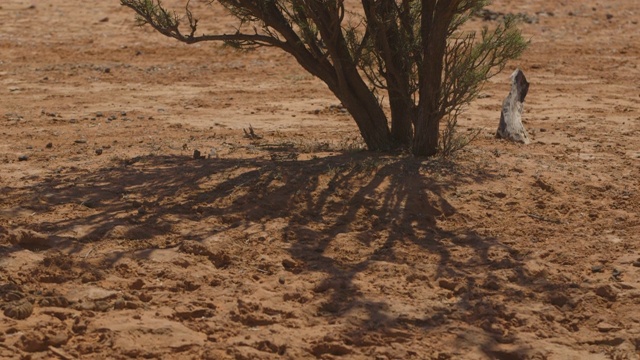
{"points": [[511, 127]]}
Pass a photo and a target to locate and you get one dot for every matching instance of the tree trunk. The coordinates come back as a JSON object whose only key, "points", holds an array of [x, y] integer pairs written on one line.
{"points": [[369, 117], [345, 81], [382, 25], [427, 133], [434, 26], [402, 117], [511, 127]]}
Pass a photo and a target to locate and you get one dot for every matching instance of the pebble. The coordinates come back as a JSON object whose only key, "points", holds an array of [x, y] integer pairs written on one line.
{"points": [[119, 304], [49, 145], [98, 151], [606, 327], [492, 285], [607, 292], [137, 284], [196, 154], [447, 284], [23, 157], [596, 268], [89, 203], [80, 141], [616, 273]]}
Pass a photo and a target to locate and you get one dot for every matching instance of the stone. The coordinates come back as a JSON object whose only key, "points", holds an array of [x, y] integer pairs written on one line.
{"points": [[606, 327], [607, 292], [511, 127]]}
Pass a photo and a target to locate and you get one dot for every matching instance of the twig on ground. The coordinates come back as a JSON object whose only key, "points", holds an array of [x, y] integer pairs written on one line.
{"points": [[63, 355], [251, 134], [542, 218]]}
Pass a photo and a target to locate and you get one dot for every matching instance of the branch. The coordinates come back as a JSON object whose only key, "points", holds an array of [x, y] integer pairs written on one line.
{"points": [[152, 13]]}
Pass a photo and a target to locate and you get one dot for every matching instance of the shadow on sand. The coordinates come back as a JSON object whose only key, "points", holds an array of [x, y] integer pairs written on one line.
{"points": [[382, 202]]}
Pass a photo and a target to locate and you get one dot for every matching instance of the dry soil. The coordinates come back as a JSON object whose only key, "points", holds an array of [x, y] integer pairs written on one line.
{"points": [[116, 243]]}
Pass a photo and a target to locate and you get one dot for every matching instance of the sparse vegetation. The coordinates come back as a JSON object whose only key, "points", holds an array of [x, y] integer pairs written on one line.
{"points": [[412, 55]]}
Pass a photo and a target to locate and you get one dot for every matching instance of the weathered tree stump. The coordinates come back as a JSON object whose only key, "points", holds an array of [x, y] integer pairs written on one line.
{"points": [[511, 127]]}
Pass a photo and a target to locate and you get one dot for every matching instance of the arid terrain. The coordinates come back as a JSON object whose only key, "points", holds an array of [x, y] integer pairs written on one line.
{"points": [[297, 244]]}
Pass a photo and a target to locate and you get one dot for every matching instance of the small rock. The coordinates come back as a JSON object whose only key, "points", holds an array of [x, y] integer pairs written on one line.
{"points": [[32, 342], [57, 339], [99, 114], [606, 327], [596, 268], [499, 194], [625, 286], [137, 284], [607, 292], [196, 154], [636, 263], [123, 113], [104, 19], [80, 141], [98, 151], [23, 157], [491, 285], [145, 297], [291, 266], [49, 145], [609, 16], [119, 304], [19, 309], [281, 280], [558, 300], [447, 284], [91, 204], [616, 273]]}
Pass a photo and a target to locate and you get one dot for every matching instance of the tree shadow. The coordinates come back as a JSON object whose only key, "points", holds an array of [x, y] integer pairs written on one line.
{"points": [[380, 202]]}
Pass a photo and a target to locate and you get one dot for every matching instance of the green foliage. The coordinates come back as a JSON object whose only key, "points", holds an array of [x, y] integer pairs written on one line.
{"points": [[451, 141], [470, 62]]}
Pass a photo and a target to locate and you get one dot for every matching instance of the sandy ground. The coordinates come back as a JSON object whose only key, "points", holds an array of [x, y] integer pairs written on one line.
{"points": [[116, 243]]}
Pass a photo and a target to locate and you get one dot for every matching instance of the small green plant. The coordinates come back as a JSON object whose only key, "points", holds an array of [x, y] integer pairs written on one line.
{"points": [[451, 141]]}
